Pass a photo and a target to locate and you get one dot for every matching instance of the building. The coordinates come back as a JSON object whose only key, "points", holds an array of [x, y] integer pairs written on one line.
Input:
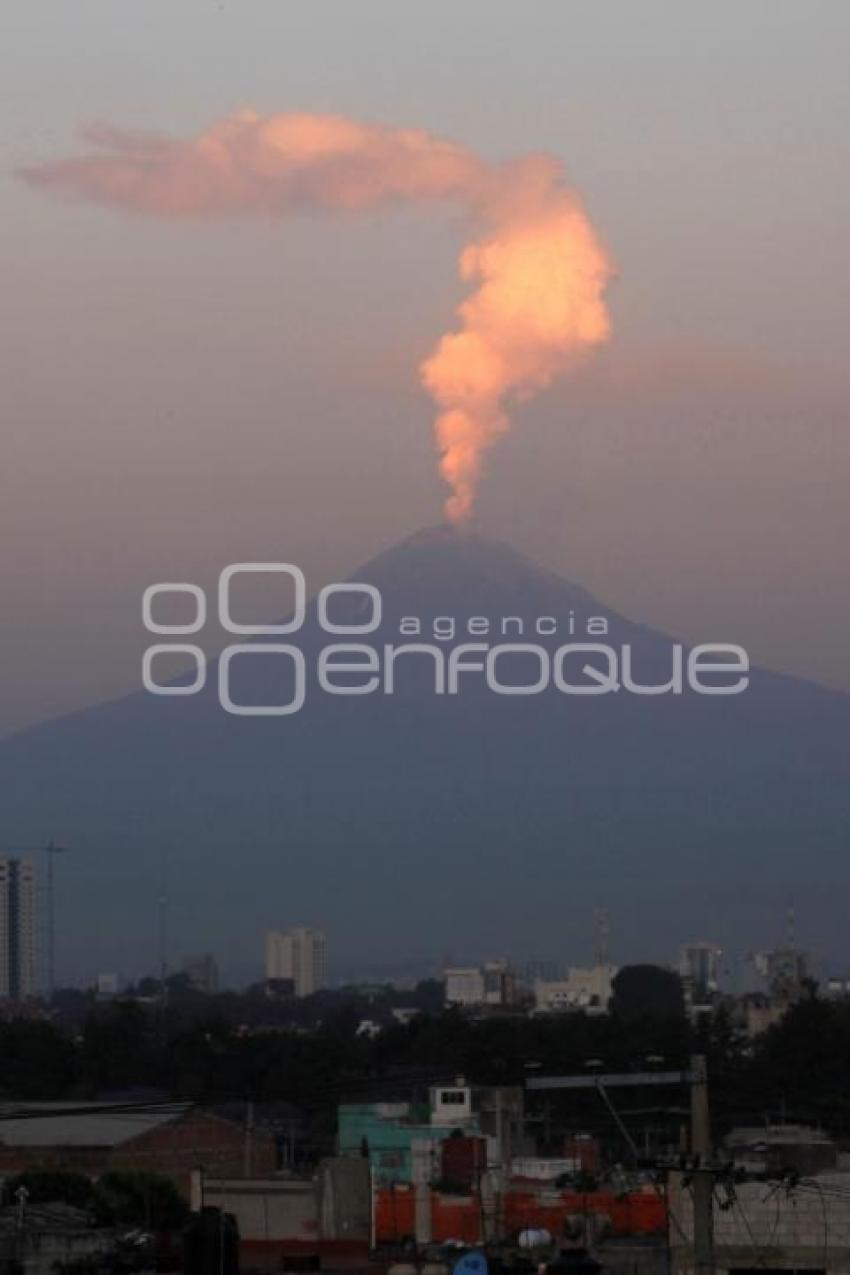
{"points": [[202, 973], [492, 984], [451, 1105], [464, 986], [537, 971], [325, 1216], [385, 1133], [786, 972], [486, 1216], [402, 1139], [171, 1138], [298, 956], [758, 1013], [588, 989], [107, 987], [698, 968], [776, 1148], [17, 930], [786, 1224], [287, 1125]]}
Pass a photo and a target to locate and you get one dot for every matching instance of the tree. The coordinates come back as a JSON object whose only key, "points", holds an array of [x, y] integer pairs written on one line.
{"points": [[116, 1048], [39, 1060], [647, 991], [51, 1186], [799, 1065], [429, 995], [138, 1198]]}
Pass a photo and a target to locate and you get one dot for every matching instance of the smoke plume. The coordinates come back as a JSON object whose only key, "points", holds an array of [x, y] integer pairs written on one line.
{"points": [[536, 269]]}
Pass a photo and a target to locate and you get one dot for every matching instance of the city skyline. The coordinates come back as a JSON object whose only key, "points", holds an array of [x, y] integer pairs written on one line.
{"points": [[298, 955]]}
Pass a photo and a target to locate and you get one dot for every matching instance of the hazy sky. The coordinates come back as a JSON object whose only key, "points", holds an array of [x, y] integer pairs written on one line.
{"points": [[179, 397]]}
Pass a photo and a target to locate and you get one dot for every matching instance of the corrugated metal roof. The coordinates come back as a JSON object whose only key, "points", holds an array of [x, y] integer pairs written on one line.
{"points": [[62, 1124]]}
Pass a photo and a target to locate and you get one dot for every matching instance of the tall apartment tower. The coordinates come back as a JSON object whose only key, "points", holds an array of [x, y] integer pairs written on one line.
{"points": [[699, 965], [17, 929], [297, 955]]}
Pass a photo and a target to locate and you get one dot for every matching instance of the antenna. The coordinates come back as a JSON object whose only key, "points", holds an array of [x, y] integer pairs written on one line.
{"points": [[603, 931], [790, 925]]}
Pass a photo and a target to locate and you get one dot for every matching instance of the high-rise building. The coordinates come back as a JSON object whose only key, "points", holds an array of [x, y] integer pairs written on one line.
{"points": [[699, 969], [297, 956], [17, 929]]}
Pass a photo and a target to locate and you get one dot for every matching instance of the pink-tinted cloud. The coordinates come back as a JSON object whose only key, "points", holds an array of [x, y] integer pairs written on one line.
{"points": [[538, 269]]}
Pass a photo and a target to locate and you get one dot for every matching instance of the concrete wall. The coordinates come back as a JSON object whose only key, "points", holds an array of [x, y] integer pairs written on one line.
{"points": [[267, 1209], [807, 1227], [333, 1207], [345, 1199]]}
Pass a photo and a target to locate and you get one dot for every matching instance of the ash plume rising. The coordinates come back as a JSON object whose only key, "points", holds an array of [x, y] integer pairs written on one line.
{"points": [[536, 268]]}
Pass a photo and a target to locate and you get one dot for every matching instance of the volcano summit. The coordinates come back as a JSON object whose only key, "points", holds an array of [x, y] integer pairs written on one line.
{"points": [[429, 825], [507, 663]]}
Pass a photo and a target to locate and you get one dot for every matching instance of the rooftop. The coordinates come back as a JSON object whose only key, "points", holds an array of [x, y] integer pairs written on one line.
{"points": [[81, 1124]]}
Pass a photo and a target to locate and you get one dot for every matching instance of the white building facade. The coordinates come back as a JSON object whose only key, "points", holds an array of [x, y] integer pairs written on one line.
{"points": [[493, 983], [299, 956], [588, 989]]}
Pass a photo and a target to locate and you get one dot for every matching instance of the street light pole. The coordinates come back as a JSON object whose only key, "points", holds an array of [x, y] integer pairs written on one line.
{"points": [[703, 1178]]}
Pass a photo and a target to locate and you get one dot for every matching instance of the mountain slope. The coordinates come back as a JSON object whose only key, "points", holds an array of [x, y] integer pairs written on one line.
{"points": [[443, 825]]}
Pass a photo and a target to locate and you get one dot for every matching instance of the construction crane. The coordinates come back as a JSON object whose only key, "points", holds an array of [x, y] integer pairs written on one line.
{"points": [[51, 850]]}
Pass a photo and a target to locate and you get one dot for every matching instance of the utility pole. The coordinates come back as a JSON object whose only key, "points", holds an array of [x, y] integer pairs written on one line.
{"points": [[702, 1175], [249, 1140], [703, 1178], [162, 917]]}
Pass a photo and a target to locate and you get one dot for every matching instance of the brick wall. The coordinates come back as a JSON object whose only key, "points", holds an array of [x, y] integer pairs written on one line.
{"points": [[195, 1140], [198, 1140]]}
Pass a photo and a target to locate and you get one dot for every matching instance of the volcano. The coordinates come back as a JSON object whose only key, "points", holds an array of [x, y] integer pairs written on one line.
{"points": [[417, 827]]}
